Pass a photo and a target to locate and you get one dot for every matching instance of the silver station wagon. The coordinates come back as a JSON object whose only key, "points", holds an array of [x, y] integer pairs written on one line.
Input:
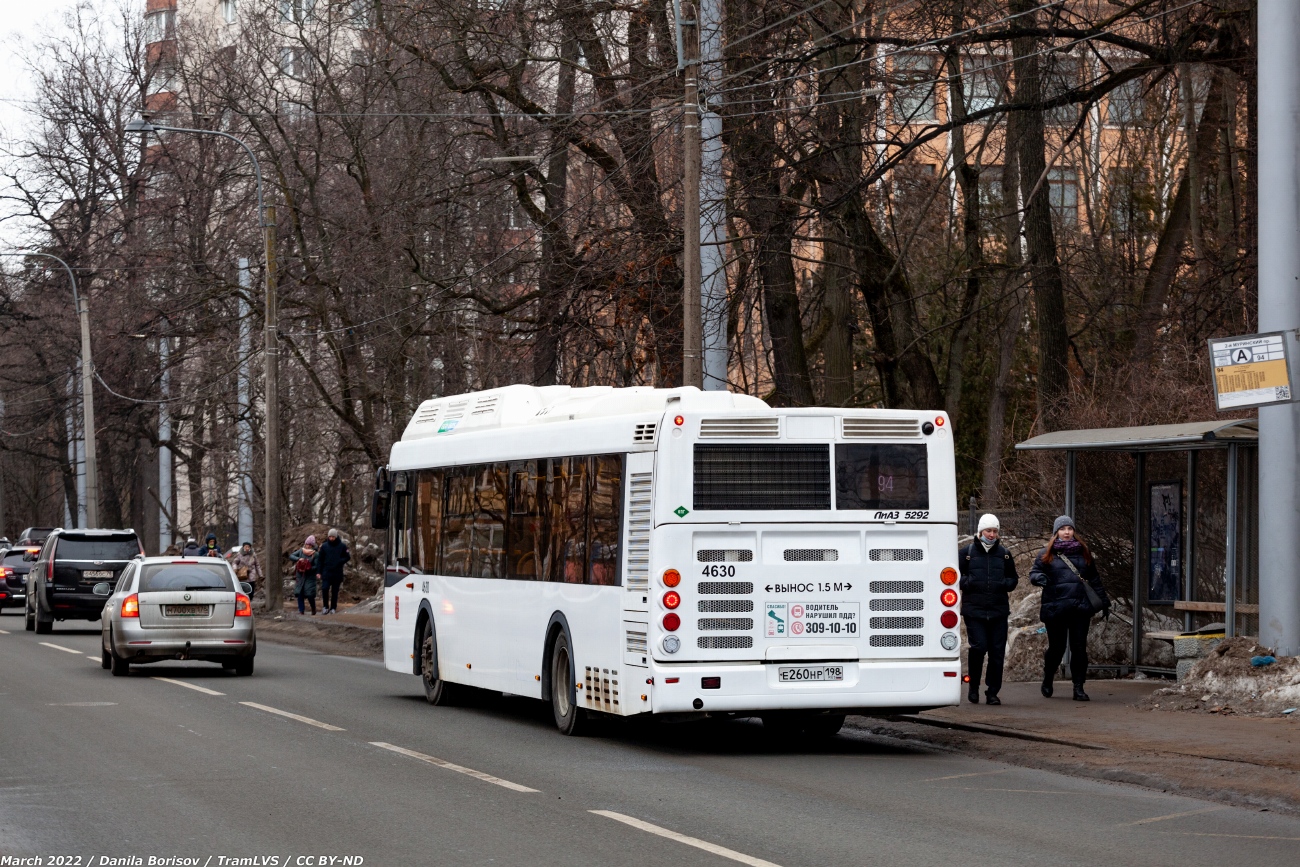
{"points": [[177, 608]]}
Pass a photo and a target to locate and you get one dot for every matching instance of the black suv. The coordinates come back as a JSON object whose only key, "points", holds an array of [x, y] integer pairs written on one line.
{"points": [[60, 585], [15, 563]]}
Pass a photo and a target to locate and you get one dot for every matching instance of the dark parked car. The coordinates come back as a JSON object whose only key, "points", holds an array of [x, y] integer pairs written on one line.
{"points": [[15, 563], [61, 583], [34, 535]]}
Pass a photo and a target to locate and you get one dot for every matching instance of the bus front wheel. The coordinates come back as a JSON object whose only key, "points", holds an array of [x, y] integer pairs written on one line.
{"points": [[436, 690], [569, 718]]}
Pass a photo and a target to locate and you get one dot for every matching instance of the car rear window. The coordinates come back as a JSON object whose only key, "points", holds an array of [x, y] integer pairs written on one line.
{"points": [[72, 548], [185, 576], [15, 558]]}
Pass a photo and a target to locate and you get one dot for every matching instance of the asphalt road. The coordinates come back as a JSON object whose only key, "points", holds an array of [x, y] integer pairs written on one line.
{"points": [[205, 765]]}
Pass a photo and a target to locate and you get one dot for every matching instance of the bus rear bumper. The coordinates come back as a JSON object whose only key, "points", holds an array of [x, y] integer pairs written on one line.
{"points": [[867, 684]]}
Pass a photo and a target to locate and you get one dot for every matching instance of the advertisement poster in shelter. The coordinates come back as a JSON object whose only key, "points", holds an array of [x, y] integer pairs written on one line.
{"points": [[1166, 539]]}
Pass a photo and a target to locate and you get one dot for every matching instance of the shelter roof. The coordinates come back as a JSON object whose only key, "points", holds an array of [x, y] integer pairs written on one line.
{"points": [[1187, 435]]}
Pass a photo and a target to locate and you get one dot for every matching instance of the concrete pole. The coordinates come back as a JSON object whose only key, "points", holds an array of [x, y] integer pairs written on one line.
{"points": [[166, 530], [244, 425], [271, 494], [1278, 26], [713, 207], [1230, 548], [91, 464], [692, 325]]}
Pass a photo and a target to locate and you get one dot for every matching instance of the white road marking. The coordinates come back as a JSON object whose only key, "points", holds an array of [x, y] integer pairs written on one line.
{"points": [[196, 688], [284, 713], [460, 769], [1022, 791], [1171, 816], [94, 658], [963, 776], [4, 631], [59, 647], [682, 838], [1233, 836]]}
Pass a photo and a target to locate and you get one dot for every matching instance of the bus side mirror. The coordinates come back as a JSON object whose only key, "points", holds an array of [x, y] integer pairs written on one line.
{"points": [[381, 504]]}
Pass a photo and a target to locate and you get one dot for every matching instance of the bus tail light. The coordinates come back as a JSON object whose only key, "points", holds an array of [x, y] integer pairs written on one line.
{"points": [[948, 576], [672, 599], [948, 597], [679, 420], [672, 644], [131, 606], [948, 619], [672, 622], [243, 608], [672, 578]]}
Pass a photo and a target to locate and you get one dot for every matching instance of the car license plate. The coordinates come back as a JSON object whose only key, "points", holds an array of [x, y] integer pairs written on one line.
{"points": [[185, 610], [98, 573], [810, 673]]}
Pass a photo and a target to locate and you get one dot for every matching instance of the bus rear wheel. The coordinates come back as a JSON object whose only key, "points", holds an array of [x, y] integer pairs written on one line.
{"points": [[436, 690], [569, 718]]}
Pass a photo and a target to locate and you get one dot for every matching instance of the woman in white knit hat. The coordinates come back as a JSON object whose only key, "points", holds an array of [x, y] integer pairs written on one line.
{"points": [[988, 575]]}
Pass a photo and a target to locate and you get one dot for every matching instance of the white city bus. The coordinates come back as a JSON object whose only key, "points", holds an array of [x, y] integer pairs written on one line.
{"points": [[670, 551]]}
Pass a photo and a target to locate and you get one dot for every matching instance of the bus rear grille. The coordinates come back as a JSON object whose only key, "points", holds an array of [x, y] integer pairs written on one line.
{"points": [[740, 427], [724, 642], [724, 555], [726, 588], [895, 555], [881, 428], [636, 641], [897, 586], [737, 624], [897, 623], [725, 606], [893, 604], [897, 640], [811, 555], [645, 433], [762, 477], [638, 532]]}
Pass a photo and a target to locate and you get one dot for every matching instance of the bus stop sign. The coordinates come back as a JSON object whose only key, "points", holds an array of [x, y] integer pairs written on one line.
{"points": [[1251, 370]]}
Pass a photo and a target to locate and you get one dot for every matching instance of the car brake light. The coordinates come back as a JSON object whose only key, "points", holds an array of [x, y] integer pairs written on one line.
{"points": [[948, 575], [131, 606], [948, 597], [49, 570], [242, 606]]}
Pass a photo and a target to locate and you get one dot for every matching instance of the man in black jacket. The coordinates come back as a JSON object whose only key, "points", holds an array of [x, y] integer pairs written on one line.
{"points": [[331, 557], [988, 575]]}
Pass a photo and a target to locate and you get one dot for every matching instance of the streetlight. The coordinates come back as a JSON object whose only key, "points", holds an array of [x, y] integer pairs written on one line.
{"points": [[271, 494], [87, 391]]}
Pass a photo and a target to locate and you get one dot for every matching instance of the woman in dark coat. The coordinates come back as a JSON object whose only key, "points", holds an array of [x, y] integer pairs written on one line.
{"points": [[306, 569], [1067, 607], [988, 575]]}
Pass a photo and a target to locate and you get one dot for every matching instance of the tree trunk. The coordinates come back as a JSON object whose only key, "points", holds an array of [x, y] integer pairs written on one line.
{"points": [[1043, 266], [837, 348], [996, 425]]}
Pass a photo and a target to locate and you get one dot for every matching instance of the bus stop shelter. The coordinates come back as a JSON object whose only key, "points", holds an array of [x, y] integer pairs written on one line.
{"points": [[1178, 504]]}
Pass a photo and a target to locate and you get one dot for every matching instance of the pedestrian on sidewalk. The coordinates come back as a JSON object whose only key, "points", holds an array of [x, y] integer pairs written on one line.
{"points": [[330, 558], [245, 564], [191, 548], [988, 575], [305, 573], [1072, 593], [211, 548]]}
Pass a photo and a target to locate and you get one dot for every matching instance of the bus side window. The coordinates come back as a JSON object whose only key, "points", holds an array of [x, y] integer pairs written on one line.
{"points": [[458, 522], [606, 513], [568, 512], [428, 519], [526, 533], [489, 547], [401, 520]]}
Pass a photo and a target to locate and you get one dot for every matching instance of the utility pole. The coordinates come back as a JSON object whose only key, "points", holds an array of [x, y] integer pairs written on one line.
{"points": [[166, 529], [1278, 26], [692, 324], [271, 496], [713, 208], [244, 426]]}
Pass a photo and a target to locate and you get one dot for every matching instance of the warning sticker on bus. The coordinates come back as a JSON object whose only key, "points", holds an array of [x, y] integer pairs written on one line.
{"points": [[812, 619]]}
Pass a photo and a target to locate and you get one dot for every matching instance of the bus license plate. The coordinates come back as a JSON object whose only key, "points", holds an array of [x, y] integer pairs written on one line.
{"points": [[810, 673]]}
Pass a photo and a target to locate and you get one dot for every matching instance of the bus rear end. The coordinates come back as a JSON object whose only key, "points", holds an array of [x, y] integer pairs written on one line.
{"points": [[804, 560]]}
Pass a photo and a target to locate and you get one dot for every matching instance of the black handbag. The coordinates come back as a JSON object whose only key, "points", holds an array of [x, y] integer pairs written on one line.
{"points": [[1094, 599]]}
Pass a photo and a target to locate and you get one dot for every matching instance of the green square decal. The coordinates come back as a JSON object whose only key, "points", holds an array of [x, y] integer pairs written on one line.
{"points": [[681, 511]]}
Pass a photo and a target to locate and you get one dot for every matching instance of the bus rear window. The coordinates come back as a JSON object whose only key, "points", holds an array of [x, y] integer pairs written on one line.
{"points": [[881, 477], [762, 477]]}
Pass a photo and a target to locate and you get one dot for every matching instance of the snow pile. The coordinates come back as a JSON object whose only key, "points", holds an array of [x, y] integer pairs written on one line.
{"points": [[1226, 673]]}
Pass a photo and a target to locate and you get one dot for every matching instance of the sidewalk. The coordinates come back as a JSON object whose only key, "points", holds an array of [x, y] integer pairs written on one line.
{"points": [[1247, 761]]}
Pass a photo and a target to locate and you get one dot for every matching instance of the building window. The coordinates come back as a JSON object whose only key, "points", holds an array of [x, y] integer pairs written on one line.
{"points": [[297, 10], [229, 11], [160, 25], [1063, 195], [914, 98], [1062, 77], [1129, 204], [980, 84], [1125, 104]]}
